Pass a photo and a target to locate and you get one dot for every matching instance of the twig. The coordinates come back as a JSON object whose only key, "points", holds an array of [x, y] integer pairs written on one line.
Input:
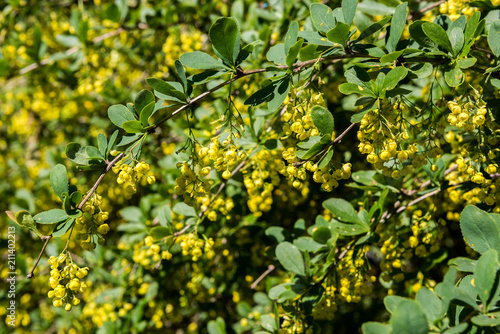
{"points": [[80, 206], [336, 141], [425, 9], [70, 51], [31, 273], [98, 181], [270, 268], [222, 186]]}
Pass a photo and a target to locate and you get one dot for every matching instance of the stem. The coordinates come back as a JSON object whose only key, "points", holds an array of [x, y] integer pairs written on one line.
{"points": [[98, 181], [31, 273], [261, 277], [222, 186], [80, 206]]}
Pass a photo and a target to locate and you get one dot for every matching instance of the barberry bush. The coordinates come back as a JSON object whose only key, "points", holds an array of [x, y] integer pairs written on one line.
{"points": [[250, 167]]}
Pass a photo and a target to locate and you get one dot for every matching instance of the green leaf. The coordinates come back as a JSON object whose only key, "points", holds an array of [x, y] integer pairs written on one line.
{"points": [[217, 326], [373, 28], [200, 61], [119, 114], [132, 126], [431, 304], [456, 40], [291, 36], [466, 62], [398, 23], [59, 180], [322, 17], [63, 227], [102, 144], [326, 159], [463, 264], [144, 104], [494, 37], [485, 275], [453, 75], [315, 149], [24, 219], [225, 37], [322, 234], [268, 322], [457, 329], [372, 327], [348, 10], [165, 216], [279, 94], [181, 73], [394, 77], [480, 230], [409, 318], [422, 70], [167, 90], [307, 244], [350, 88], [291, 57], [184, 210], [277, 54], [51, 216], [360, 77], [417, 33], [438, 35], [94, 153], [291, 258], [391, 57], [471, 26], [83, 30], [342, 209], [339, 34], [487, 320], [112, 141], [322, 119], [349, 229], [391, 303], [159, 232], [76, 153], [313, 37]]}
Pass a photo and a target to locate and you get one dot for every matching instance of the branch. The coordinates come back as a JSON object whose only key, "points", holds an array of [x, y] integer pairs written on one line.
{"points": [[104, 172], [70, 51], [261, 277], [419, 13], [80, 206], [222, 186], [31, 273]]}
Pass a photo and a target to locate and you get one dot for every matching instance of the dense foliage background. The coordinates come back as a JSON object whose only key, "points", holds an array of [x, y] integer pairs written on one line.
{"points": [[296, 215]]}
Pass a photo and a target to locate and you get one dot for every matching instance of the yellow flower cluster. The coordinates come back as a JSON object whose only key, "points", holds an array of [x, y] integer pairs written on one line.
{"points": [[297, 120], [190, 41], [195, 247], [147, 253], [351, 276], [66, 282], [260, 178], [298, 125], [91, 224], [99, 314], [222, 205], [326, 308], [384, 136], [467, 115], [191, 186], [128, 176], [456, 8]]}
